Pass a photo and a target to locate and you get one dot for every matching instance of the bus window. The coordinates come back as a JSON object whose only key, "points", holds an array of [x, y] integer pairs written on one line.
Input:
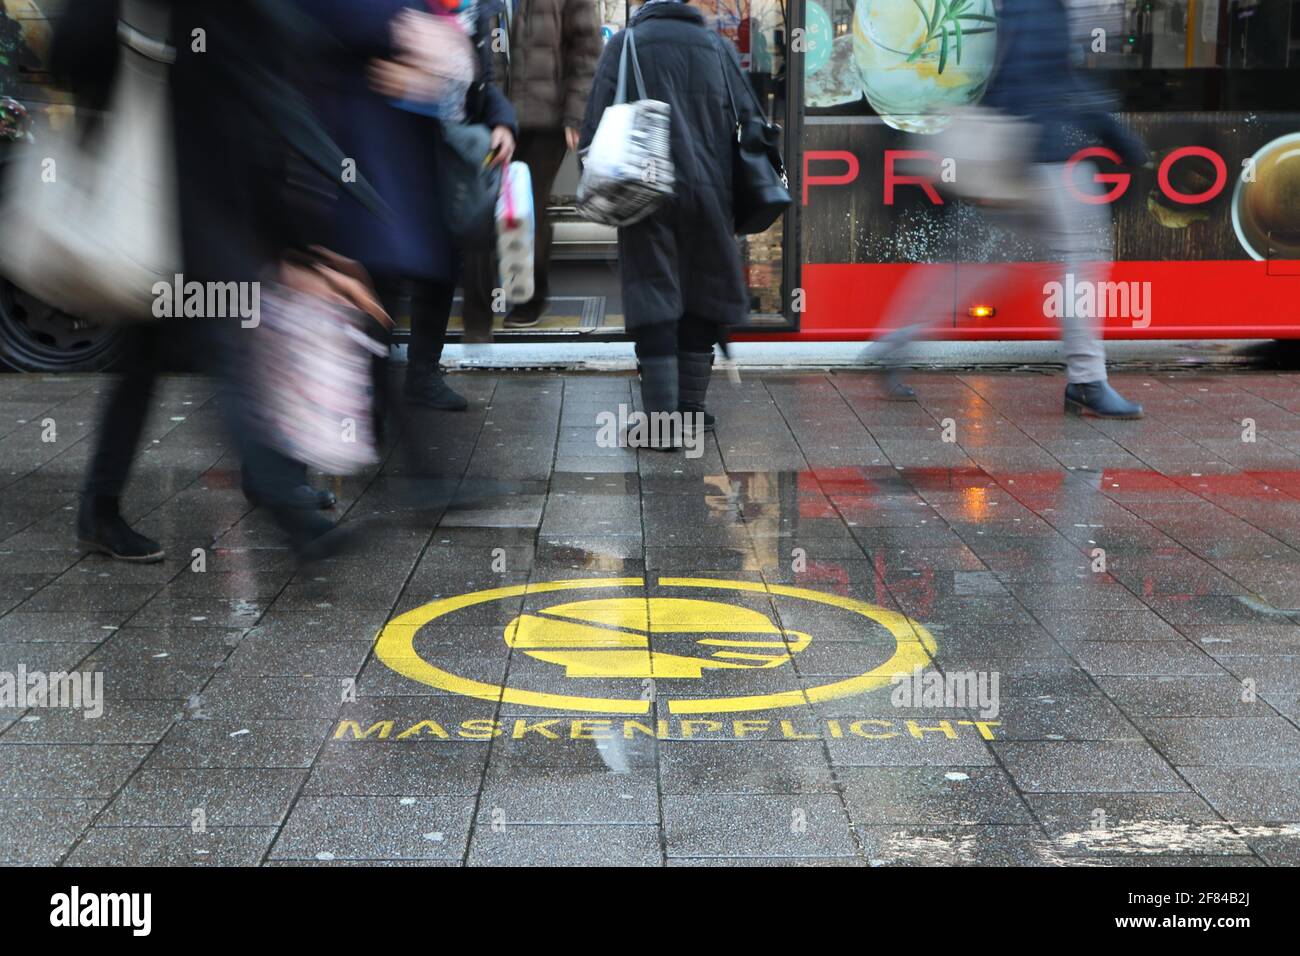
{"points": [[1188, 34]]}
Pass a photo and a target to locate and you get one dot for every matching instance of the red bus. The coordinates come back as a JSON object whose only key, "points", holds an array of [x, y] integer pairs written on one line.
{"points": [[1210, 233]]}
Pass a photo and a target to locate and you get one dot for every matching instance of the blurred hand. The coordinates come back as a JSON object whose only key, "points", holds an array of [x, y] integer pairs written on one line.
{"points": [[503, 142], [571, 138], [431, 55], [400, 81]]}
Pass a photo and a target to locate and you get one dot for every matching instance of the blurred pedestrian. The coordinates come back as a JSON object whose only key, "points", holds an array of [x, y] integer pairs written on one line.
{"points": [[546, 65], [412, 256], [235, 122], [682, 280], [1035, 84]]}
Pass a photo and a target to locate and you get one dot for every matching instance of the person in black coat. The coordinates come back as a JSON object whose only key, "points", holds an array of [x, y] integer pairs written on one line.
{"points": [[682, 279], [236, 122], [411, 254]]}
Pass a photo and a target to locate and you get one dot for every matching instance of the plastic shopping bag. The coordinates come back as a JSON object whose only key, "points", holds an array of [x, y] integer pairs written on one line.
{"points": [[516, 228]]}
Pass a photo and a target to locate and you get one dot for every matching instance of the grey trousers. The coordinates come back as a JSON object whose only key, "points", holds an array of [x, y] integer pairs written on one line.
{"points": [[1073, 233]]}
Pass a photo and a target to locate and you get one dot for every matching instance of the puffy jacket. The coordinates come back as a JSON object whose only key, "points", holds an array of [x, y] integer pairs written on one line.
{"points": [[554, 46]]}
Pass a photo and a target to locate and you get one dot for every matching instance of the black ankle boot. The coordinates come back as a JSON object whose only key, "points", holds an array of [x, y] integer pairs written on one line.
{"points": [[102, 530], [693, 372], [430, 389]]}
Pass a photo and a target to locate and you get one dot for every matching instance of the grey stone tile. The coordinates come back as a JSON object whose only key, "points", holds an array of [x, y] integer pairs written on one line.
{"points": [[172, 846], [40, 831], [399, 770], [1147, 658], [1200, 696], [1111, 824], [376, 828], [891, 740], [1065, 717], [227, 744], [923, 796], [750, 766], [122, 722], [809, 824], [1248, 794], [1108, 766], [260, 657], [570, 845], [556, 795], [947, 846], [166, 797], [1262, 741], [65, 771], [69, 627]]}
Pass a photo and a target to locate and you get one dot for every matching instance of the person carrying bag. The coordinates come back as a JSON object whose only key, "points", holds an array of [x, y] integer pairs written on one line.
{"points": [[627, 171], [681, 273]]}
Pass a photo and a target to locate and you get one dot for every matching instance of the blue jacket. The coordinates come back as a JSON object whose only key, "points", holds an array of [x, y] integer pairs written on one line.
{"points": [[1035, 79], [395, 149]]}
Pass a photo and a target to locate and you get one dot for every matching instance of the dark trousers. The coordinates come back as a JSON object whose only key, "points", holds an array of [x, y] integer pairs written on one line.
{"points": [[429, 305], [149, 350], [543, 151], [125, 409], [689, 334]]}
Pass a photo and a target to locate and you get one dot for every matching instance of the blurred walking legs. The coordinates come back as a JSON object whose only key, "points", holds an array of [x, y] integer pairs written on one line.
{"points": [[429, 303], [100, 526], [1072, 232]]}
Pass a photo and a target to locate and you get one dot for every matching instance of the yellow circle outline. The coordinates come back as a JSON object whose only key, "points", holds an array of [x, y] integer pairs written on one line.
{"points": [[395, 646]]}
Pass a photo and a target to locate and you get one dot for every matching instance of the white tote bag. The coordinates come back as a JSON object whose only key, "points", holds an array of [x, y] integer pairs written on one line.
{"points": [[91, 230], [627, 171]]}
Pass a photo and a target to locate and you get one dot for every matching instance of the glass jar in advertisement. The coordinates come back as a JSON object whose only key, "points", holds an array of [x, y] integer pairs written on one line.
{"points": [[921, 58]]}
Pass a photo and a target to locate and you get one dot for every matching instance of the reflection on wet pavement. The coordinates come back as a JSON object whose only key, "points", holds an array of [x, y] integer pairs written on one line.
{"points": [[967, 630]]}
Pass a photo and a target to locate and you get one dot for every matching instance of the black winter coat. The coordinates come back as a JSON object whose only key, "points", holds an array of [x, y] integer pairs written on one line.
{"points": [[683, 259]]}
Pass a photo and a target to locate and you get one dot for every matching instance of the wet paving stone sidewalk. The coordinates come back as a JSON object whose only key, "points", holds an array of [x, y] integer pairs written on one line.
{"points": [[963, 630]]}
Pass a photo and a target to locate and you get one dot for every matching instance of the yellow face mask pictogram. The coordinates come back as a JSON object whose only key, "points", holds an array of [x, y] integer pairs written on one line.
{"points": [[612, 637], [633, 636]]}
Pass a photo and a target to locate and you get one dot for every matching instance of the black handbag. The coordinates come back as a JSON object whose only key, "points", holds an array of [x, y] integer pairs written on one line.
{"points": [[469, 183], [760, 188]]}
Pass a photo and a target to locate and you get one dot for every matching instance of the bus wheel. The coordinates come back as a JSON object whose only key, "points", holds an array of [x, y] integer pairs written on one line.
{"points": [[35, 337]]}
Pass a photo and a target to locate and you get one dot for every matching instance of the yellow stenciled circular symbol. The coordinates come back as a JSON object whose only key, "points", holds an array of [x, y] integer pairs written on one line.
{"points": [[612, 638]]}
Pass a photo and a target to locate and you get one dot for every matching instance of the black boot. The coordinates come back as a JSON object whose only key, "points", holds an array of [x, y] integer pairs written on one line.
{"points": [[102, 530], [426, 386], [693, 372], [659, 399], [1099, 400]]}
